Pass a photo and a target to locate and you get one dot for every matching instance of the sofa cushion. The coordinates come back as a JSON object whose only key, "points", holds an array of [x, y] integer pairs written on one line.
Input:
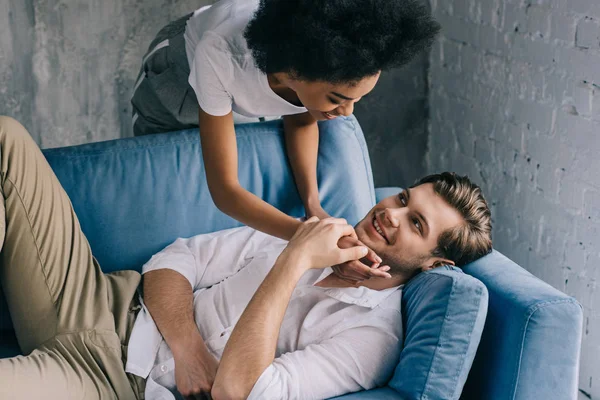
{"points": [[444, 312]]}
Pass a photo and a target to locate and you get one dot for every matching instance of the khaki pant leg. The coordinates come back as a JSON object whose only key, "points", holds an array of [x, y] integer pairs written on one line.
{"points": [[70, 366], [52, 283], [50, 279]]}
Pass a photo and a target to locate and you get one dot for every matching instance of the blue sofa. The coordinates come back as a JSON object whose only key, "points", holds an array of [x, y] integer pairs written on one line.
{"points": [[134, 196]]}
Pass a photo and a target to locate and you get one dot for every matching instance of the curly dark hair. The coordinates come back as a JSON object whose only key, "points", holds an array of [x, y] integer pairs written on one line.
{"points": [[338, 41]]}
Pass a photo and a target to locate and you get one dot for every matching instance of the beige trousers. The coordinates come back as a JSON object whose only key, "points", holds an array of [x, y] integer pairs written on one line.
{"points": [[71, 320]]}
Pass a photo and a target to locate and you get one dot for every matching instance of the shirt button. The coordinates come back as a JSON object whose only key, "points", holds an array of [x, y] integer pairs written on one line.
{"points": [[223, 334], [163, 368]]}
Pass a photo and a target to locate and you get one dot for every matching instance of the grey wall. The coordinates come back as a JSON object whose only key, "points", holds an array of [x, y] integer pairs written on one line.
{"points": [[515, 103], [394, 119], [67, 68]]}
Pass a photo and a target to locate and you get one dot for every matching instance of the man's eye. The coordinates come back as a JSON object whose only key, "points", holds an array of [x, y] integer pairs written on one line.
{"points": [[417, 224], [331, 100], [402, 199]]}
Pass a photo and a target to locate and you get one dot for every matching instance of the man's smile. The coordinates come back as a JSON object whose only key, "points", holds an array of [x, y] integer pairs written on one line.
{"points": [[377, 226]]}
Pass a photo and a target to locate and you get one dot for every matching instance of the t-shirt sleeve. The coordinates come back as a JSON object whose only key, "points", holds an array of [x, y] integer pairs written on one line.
{"points": [[210, 74]]}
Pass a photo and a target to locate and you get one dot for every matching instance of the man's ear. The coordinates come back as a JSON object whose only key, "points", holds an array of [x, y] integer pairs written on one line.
{"points": [[437, 262]]}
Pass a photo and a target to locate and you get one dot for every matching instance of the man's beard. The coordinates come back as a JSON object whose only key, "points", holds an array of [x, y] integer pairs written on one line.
{"points": [[403, 267]]}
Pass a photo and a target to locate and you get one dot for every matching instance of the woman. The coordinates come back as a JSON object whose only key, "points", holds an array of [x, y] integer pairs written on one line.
{"points": [[305, 60]]}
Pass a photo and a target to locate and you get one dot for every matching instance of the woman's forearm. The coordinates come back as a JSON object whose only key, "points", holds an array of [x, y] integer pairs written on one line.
{"points": [[219, 149], [302, 145], [254, 212]]}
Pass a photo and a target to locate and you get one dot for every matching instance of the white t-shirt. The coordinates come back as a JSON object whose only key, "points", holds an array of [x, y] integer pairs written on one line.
{"points": [[222, 70]]}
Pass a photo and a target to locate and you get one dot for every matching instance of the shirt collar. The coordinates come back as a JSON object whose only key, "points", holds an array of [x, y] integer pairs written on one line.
{"points": [[361, 296]]}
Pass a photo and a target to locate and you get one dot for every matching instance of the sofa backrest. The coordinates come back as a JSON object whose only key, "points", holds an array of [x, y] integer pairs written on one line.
{"points": [[135, 196]]}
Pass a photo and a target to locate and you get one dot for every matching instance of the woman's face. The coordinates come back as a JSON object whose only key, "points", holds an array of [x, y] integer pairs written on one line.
{"points": [[326, 101]]}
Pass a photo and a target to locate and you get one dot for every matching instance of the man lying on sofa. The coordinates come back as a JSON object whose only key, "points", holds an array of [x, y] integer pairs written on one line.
{"points": [[234, 313]]}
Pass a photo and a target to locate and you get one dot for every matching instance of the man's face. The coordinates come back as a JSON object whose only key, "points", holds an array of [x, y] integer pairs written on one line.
{"points": [[404, 229]]}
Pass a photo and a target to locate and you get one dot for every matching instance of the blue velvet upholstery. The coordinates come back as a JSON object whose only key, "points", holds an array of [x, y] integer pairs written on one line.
{"points": [[444, 312], [134, 196]]}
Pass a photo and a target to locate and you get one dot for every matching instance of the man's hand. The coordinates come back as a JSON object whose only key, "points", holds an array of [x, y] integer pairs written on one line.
{"points": [[195, 369], [316, 242], [355, 271]]}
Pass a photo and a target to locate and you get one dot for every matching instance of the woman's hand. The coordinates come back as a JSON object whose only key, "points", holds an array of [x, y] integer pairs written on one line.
{"points": [[355, 271], [317, 211], [315, 243]]}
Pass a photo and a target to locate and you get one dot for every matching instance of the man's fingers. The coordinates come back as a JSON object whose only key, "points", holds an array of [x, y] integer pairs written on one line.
{"points": [[349, 275], [381, 273], [351, 281], [370, 272], [352, 272], [373, 257]]}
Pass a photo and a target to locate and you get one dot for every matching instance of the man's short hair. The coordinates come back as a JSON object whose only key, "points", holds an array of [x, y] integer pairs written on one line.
{"points": [[338, 41], [472, 239]]}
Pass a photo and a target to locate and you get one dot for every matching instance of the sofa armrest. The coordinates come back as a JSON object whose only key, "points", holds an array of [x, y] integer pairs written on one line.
{"points": [[531, 342]]}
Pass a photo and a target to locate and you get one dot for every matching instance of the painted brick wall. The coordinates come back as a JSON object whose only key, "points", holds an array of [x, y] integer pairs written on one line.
{"points": [[515, 104]]}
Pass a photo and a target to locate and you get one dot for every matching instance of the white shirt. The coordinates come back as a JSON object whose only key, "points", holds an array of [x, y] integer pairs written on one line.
{"points": [[332, 340], [222, 70]]}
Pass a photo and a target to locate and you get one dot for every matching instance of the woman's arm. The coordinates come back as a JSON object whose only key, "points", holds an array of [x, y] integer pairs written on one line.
{"points": [[219, 149], [302, 144]]}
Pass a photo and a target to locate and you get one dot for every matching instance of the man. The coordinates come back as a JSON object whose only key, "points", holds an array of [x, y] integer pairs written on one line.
{"points": [[235, 313]]}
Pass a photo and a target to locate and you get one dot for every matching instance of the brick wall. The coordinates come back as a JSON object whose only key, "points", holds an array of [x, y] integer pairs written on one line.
{"points": [[515, 104]]}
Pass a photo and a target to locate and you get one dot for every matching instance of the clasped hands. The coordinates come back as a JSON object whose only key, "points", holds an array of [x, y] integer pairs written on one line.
{"points": [[332, 242]]}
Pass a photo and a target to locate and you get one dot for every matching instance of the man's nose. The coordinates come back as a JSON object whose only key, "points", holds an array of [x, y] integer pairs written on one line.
{"points": [[393, 216]]}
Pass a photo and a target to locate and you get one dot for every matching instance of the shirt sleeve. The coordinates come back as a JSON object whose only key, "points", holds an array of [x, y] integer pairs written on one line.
{"points": [[357, 359], [207, 259], [210, 74]]}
